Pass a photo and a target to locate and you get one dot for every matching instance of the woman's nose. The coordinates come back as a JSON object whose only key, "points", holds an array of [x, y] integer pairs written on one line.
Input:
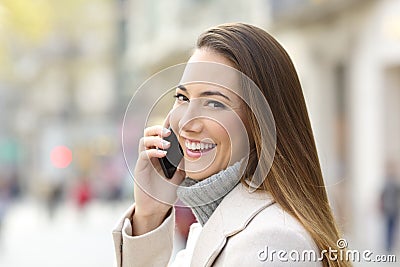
{"points": [[191, 120]]}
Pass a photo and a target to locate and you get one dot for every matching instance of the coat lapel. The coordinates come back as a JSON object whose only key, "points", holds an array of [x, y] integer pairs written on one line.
{"points": [[230, 217]]}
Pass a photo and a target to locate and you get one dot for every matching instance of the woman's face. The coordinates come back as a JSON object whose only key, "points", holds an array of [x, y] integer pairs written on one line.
{"points": [[210, 123]]}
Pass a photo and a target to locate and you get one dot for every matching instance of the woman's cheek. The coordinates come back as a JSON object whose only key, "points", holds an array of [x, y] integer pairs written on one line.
{"points": [[236, 133]]}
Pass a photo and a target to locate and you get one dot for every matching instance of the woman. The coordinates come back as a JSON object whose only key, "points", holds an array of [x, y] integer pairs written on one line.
{"points": [[236, 226]]}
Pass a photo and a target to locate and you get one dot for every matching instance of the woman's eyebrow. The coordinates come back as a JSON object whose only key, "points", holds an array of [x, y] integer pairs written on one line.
{"points": [[183, 88], [206, 93]]}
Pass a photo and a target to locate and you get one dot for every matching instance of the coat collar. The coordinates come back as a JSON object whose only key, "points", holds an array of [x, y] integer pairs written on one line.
{"points": [[230, 217]]}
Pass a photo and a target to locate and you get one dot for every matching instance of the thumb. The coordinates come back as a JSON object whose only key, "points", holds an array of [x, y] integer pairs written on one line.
{"points": [[178, 177]]}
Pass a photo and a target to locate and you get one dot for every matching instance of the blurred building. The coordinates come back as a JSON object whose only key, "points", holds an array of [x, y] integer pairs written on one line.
{"points": [[347, 54], [59, 85], [163, 33]]}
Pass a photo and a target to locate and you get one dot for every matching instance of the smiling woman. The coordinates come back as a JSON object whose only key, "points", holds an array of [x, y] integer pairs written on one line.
{"points": [[221, 128]]}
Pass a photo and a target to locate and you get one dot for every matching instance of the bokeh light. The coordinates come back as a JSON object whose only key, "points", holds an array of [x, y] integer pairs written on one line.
{"points": [[61, 156]]}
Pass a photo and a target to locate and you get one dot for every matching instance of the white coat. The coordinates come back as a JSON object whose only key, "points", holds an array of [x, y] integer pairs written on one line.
{"points": [[246, 229]]}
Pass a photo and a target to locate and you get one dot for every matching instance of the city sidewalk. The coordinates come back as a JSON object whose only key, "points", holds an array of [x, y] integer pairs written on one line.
{"points": [[72, 238]]}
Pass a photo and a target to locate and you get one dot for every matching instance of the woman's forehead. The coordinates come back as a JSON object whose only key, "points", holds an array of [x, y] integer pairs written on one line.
{"points": [[211, 74], [209, 55]]}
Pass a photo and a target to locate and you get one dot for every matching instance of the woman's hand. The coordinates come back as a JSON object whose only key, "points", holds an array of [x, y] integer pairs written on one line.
{"points": [[154, 196]]}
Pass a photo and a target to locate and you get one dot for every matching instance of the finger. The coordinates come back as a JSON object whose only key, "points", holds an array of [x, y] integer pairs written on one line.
{"points": [[152, 153], [150, 142], [157, 130], [178, 177], [155, 142]]}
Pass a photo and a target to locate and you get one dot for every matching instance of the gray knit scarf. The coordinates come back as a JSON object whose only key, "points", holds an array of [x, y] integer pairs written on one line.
{"points": [[204, 196]]}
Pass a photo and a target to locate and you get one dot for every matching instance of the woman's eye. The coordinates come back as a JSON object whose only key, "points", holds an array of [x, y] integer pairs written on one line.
{"points": [[215, 104], [181, 97]]}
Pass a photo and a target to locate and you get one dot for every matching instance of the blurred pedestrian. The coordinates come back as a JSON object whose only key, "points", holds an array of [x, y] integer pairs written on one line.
{"points": [[5, 199], [390, 202], [54, 198], [82, 192]]}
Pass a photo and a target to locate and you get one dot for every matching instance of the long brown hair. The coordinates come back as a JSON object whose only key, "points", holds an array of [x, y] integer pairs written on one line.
{"points": [[295, 178]]}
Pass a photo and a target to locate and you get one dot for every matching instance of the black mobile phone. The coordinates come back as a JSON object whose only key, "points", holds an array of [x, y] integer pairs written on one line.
{"points": [[170, 162]]}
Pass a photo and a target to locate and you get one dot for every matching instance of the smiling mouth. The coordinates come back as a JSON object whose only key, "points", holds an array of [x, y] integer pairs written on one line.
{"points": [[199, 147]]}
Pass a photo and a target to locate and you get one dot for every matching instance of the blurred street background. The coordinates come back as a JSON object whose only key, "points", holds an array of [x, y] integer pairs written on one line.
{"points": [[68, 69]]}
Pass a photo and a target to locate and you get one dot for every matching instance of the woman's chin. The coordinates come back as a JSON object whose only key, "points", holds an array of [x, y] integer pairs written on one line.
{"points": [[200, 175], [201, 167]]}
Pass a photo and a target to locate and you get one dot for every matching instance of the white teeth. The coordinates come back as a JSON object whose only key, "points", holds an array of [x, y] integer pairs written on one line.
{"points": [[198, 145]]}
